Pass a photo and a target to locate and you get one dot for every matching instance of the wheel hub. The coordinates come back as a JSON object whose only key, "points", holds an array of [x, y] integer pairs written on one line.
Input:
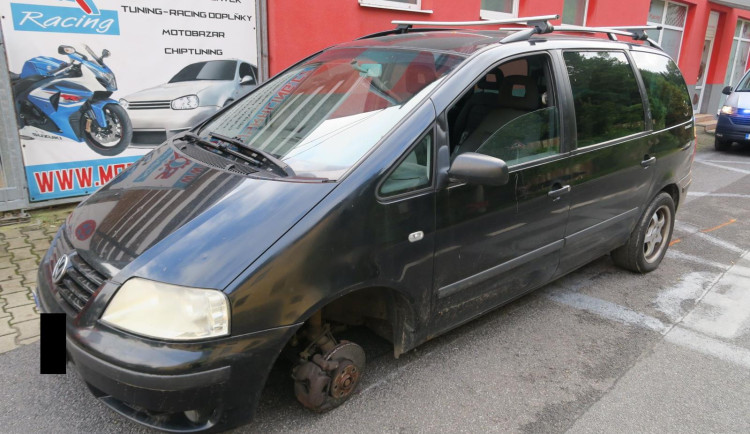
{"points": [[345, 380]]}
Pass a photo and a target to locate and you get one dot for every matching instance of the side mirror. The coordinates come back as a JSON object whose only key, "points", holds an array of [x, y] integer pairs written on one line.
{"points": [[105, 53], [248, 79], [727, 90], [479, 169], [65, 49]]}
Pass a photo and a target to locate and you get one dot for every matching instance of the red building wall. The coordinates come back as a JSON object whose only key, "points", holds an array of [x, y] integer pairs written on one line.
{"points": [[296, 29]]}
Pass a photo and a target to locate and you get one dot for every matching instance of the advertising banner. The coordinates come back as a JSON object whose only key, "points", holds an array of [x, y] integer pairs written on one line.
{"points": [[98, 83]]}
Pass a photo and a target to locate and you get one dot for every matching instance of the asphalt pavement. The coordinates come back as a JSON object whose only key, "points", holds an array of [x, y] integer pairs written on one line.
{"points": [[600, 350]]}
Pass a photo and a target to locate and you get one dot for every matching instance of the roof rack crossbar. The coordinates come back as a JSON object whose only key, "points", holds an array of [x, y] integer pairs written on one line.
{"points": [[520, 20], [534, 26]]}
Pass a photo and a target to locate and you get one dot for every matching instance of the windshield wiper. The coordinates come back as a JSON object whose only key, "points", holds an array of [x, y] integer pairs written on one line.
{"points": [[223, 148], [262, 157]]}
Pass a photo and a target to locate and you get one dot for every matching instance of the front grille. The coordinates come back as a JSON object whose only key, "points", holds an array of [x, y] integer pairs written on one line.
{"points": [[149, 105], [740, 120], [79, 283]]}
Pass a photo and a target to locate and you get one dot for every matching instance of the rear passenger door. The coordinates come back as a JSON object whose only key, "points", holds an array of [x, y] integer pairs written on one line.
{"points": [[611, 167]]}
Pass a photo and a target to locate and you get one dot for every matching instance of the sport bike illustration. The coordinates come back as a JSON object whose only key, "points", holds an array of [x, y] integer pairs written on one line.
{"points": [[72, 99]]}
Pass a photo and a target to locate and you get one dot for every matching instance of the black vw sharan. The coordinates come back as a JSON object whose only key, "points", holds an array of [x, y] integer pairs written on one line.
{"points": [[406, 182]]}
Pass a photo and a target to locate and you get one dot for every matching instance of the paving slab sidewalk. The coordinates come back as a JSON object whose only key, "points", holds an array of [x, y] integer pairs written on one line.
{"points": [[22, 246]]}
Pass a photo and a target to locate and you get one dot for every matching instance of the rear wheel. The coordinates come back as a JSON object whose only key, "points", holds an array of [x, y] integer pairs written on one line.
{"points": [[650, 239], [112, 139], [721, 145]]}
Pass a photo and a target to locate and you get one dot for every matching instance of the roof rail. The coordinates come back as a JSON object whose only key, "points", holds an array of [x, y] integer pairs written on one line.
{"points": [[536, 25]]}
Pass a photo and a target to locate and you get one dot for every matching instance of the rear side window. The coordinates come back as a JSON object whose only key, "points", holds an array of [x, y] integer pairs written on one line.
{"points": [[667, 93], [607, 100]]}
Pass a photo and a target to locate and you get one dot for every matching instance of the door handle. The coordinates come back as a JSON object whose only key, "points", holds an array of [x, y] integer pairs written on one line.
{"points": [[559, 192], [648, 161]]}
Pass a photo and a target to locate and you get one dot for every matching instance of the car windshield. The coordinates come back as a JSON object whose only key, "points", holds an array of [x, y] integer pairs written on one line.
{"points": [[213, 70], [744, 85], [322, 116]]}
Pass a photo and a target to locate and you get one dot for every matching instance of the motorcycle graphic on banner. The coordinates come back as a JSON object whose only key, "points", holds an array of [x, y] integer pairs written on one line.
{"points": [[98, 84]]}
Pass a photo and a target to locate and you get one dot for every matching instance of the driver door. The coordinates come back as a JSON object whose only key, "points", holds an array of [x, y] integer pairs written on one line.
{"points": [[495, 243]]}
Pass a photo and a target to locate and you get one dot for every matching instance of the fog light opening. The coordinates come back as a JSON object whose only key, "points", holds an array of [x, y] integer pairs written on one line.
{"points": [[200, 416]]}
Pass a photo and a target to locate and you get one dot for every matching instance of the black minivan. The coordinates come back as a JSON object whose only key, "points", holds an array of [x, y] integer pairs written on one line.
{"points": [[406, 182]]}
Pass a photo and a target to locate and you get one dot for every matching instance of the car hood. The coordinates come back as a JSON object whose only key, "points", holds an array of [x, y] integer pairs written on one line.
{"points": [[170, 91], [173, 219]]}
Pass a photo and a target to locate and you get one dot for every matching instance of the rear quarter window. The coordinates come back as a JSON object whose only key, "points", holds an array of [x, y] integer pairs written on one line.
{"points": [[667, 93]]}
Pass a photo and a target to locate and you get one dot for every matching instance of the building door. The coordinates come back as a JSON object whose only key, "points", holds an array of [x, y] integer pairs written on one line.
{"points": [[708, 46], [12, 182]]}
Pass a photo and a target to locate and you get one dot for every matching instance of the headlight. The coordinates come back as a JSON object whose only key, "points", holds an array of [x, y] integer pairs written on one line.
{"points": [[164, 311], [108, 81], [124, 103], [185, 103], [729, 110]]}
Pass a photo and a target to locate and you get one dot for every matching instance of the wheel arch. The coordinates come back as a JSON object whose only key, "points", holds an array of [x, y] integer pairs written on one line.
{"points": [[388, 312]]}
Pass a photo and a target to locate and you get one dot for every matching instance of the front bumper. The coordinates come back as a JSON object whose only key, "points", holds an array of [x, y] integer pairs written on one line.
{"points": [[154, 126], [734, 128], [155, 382]]}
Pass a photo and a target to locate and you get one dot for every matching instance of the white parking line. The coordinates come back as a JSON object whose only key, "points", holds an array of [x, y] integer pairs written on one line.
{"points": [[692, 230], [731, 169], [609, 310], [726, 161], [722, 309], [697, 194], [711, 347], [676, 254]]}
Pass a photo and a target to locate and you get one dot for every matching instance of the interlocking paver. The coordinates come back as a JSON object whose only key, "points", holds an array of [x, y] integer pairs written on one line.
{"points": [[7, 343], [40, 245], [22, 313], [29, 278], [27, 264], [7, 273], [36, 234], [22, 253], [11, 286], [28, 329], [5, 328], [28, 341], [16, 243], [21, 248], [11, 233], [16, 299]]}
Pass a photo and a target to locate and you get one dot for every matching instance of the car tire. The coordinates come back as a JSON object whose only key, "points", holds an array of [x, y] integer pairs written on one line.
{"points": [[650, 239], [721, 145]]}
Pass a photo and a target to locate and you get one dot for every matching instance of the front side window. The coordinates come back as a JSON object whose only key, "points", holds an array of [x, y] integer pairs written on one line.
{"points": [[413, 173], [322, 116], [667, 93], [511, 113], [499, 9], [607, 99], [213, 70]]}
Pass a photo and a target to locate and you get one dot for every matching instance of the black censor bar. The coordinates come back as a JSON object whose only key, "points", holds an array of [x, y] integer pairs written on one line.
{"points": [[53, 359]]}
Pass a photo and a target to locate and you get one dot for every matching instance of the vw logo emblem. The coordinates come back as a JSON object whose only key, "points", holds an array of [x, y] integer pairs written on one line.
{"points": [[61, 266]]}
